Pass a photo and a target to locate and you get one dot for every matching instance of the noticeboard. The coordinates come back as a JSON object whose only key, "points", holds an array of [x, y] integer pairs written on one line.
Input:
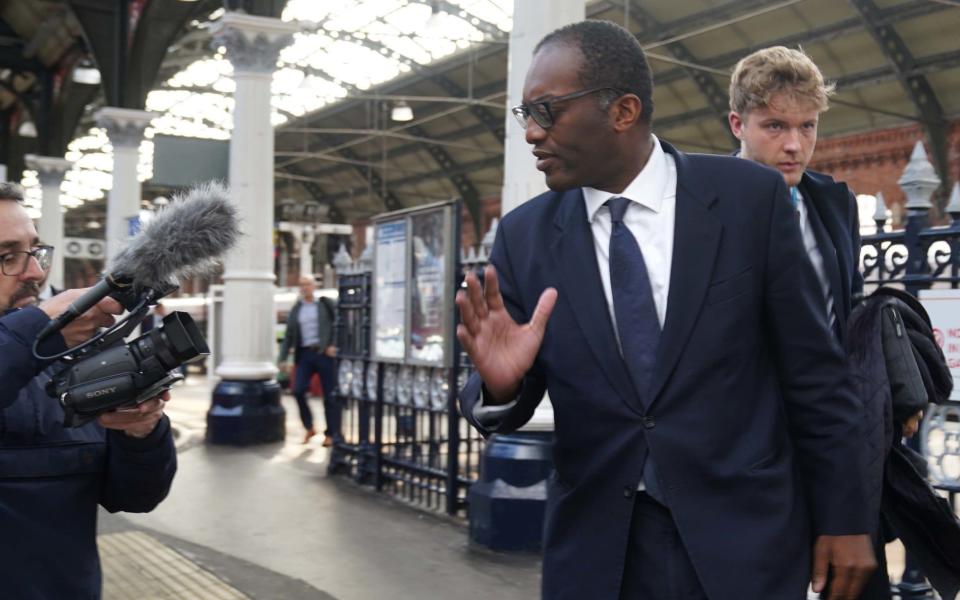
{"points": [[413, 271]]}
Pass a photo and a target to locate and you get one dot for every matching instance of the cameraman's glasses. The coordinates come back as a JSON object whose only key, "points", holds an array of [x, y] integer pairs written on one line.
{"points": [[16, 263]]}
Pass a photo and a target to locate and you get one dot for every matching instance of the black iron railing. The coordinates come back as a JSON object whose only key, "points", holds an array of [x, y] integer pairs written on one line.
{"points": [[402, 430]]}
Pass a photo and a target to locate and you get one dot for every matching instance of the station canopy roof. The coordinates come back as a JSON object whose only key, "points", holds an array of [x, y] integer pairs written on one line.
{"points": [[895, 62]]}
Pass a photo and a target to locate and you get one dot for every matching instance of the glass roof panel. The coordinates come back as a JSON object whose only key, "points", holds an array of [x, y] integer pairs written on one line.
{"points": [[342, 47]]}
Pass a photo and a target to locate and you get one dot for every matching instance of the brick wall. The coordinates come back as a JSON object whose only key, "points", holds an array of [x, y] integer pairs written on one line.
{"points": [[873, 162], [868, 162]]}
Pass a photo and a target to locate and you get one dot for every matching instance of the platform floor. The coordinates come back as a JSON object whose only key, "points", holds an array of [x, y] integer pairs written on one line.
{"points": [[267, 523]]}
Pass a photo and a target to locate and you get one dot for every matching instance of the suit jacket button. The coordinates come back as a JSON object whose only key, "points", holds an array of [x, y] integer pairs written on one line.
{"points": [[629, 491], [648, 422]]}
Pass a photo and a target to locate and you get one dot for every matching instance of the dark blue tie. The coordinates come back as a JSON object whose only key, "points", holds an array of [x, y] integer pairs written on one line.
{"points": [[637, 324]]}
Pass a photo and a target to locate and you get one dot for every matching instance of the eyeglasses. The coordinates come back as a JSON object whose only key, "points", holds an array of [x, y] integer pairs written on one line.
{"points": [[15, 264], [540, 111]]}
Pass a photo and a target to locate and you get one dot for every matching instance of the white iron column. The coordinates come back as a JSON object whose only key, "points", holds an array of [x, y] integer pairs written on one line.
{"points": [[532, 20], [50, 172], [252, 45], [306, 240], [125, 127]]}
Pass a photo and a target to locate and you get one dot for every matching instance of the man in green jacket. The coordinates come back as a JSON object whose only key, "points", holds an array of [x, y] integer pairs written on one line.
{"points": [[310, 335]]}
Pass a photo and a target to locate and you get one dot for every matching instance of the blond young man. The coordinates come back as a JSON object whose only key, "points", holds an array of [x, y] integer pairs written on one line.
{"points": [[776, 98]]}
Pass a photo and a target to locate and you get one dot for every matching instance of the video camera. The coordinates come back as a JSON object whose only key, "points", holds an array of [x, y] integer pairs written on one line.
{"points": [[109, 373], [187, 238]]}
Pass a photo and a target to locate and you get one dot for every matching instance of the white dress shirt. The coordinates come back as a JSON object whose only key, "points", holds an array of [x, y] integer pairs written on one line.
{"points": [[815, 256], [650, 218]]}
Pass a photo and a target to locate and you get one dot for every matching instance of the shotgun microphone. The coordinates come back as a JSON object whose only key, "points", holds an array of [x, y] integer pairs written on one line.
{"points": [[186, 238]]}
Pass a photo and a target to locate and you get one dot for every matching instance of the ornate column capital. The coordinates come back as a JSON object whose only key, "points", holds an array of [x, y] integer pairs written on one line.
{"points": [[50, 170], [125, 126], [253, 43]]}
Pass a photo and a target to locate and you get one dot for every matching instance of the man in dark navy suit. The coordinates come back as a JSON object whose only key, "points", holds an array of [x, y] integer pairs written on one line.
{"points": [[776, 97], [705, 430]]}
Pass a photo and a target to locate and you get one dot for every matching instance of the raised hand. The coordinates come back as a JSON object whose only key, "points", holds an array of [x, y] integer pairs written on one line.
{"points": [[501, 350]]}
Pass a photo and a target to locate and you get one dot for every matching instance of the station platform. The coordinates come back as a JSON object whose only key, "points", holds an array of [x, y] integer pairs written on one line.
{"points": [[266, 522]]}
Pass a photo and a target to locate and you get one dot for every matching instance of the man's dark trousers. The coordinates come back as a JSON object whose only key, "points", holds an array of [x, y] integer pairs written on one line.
{"points": [[657, 566], [310, 361]]}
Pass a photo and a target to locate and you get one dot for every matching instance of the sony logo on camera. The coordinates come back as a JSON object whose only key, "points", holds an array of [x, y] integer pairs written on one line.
{"points": [[103, 392]]}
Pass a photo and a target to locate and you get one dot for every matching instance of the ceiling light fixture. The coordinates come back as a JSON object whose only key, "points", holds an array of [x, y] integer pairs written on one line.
{"points": [[435, 23], [401, 111], [28, 130], [86, 74]]}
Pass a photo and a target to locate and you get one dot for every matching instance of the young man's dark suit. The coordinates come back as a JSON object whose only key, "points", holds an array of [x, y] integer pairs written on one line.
{"points": [[835, 222], [751, 474], [836, 225]]}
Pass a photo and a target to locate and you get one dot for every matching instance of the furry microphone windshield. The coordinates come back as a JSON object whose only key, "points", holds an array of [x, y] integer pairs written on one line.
{"points": [[187, 238]]}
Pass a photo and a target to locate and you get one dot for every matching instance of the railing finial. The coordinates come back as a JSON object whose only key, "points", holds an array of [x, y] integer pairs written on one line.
{"points": [[919, 179], [487, 243], [953, 207], [880, 212]]}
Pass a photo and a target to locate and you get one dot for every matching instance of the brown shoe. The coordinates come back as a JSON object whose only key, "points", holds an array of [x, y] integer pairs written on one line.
{"points": [[310, 433], [327, 441]]}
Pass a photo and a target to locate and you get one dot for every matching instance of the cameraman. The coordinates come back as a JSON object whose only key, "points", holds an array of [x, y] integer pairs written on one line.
{"points": [[52, 478]]}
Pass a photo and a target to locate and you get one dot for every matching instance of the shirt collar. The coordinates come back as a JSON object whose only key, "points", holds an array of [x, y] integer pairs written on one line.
{"points": [[646, 188]]}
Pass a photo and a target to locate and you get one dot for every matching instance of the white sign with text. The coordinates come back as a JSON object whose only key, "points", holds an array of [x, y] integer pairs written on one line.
{"points": [[943, 306]]}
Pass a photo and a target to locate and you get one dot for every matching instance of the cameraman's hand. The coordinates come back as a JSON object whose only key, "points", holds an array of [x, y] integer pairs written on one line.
{"points": [[83, 327], [136, 421]]}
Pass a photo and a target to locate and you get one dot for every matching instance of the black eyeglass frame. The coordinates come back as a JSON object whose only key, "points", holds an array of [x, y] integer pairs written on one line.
{"points": [[42, 254], [546, 119]]}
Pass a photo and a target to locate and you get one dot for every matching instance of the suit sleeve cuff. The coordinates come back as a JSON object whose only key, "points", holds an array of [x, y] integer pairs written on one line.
{"points": [[491, 416]]}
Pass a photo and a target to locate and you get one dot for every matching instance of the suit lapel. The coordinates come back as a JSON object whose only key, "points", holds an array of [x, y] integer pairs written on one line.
{"points": [[581, 286], [695, 243], [821, 219]]}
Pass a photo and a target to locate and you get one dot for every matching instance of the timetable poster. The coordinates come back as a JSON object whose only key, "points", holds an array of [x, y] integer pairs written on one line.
{"points": [[390, 290]]}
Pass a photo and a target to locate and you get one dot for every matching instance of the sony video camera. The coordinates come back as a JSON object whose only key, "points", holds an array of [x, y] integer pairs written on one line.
{"points": [[117, 374], [188, 238]]}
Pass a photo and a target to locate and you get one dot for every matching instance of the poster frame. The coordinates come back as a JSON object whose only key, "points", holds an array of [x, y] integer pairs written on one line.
{"points": [[450, 262], [375, 314]]}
